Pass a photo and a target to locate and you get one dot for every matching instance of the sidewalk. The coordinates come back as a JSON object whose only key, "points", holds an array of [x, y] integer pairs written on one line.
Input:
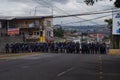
{"points": [[3, 55]]}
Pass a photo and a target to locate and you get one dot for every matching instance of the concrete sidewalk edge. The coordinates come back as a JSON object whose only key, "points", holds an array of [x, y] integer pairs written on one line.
{"points": [[3, 55], [114, 51]]}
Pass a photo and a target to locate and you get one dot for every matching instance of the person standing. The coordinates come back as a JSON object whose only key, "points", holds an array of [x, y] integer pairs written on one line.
{"points": [[7, 48]]}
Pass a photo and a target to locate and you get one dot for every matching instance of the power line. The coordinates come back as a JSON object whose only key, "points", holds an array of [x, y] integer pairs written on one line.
{"points": [[67, 12], [88, 13], [74, 15], [77, 17], [95, 11], [83, 14], [91, 19], [88, 19]]}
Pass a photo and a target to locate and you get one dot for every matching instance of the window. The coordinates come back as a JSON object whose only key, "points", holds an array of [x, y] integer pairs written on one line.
{"points": [[30, 33], [41, 33], [36, 33], [40, 25], [48, 23], [22, 33], [36, 23], [26, 22], [20, 24], [48, 33]]}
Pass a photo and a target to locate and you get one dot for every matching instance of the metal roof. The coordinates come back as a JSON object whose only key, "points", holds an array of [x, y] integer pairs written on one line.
{"points": [[6, 18], [22, 17]]}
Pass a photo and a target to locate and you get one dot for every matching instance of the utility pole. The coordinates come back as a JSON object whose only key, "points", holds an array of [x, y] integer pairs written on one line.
{"points": [[30, 13], [35, 11], [52, 11]]}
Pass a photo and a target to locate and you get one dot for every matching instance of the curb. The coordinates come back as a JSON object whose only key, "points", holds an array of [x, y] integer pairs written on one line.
{"points": [[114, 52], [4, 55]]}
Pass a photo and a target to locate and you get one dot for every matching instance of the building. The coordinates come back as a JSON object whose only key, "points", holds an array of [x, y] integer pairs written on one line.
{"points": [[32, 28], [97, 37]]}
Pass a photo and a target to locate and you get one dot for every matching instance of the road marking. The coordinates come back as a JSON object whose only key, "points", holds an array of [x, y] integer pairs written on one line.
{"points": [[101, 73], [100, 62], [101, 77], [64, 72], [100, 68], [24, 67], [100, 56]]}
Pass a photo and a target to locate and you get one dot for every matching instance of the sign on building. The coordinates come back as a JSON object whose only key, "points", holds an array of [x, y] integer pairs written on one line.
{"points": [[13, 31], [116, 23]]}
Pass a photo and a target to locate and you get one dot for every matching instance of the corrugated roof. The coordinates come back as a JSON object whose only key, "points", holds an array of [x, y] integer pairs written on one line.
{"points": [[29, 17], [6, 18], [22, 17]]}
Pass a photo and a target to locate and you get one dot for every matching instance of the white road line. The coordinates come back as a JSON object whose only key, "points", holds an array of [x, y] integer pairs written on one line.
{"points": [[64, 72]]}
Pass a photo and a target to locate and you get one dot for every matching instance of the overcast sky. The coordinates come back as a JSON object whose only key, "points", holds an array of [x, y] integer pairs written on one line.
{"points": [[60, 7]]}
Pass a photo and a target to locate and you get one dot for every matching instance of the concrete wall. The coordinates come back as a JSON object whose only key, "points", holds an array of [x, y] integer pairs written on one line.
{"points": [[9, 39]]}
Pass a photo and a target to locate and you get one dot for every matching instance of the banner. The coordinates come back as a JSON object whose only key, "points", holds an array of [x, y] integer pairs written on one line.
{"points": [[116, 23], [13, 31]]}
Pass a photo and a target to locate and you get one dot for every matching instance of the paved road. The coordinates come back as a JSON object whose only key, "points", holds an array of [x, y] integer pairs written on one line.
{"points": [[60, 67]]}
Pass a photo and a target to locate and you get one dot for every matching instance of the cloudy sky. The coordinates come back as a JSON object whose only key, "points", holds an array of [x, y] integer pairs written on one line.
{"points": [[56, 7]]}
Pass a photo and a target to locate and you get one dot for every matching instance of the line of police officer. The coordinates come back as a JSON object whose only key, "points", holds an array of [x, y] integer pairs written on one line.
{"points": [[61, 47]]}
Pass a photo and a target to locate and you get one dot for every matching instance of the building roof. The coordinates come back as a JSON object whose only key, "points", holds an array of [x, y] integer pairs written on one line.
{"points": [[6, 18], [23, 17]]}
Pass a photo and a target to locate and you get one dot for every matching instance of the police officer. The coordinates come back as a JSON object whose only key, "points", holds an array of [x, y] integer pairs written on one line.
{"points": [[7, 48]]}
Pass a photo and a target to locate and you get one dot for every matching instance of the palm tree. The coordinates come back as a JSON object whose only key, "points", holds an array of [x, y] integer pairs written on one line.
{"points": [[109, 22]]}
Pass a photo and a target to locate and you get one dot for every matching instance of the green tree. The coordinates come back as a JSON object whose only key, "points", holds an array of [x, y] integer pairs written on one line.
{"points": [[59, 32], [115, 39], [91, 2], [117, 3], [109, 22]]}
